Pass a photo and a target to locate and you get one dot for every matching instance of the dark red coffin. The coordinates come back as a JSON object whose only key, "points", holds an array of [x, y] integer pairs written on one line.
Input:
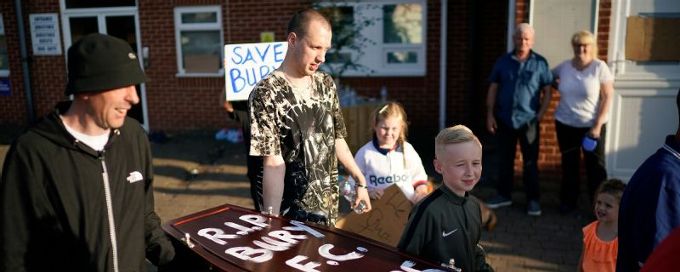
{"points": [[232, 238]]}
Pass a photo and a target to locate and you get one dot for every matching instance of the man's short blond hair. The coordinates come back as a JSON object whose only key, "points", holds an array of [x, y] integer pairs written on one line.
{"points": [[453, 135]]}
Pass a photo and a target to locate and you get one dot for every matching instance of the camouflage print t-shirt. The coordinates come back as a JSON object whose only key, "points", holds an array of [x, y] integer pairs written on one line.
{"points": [[302, 129]]}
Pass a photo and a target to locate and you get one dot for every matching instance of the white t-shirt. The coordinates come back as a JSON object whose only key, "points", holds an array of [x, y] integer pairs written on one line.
{"points": [[382, 170], [96, 142], [580, 92]]}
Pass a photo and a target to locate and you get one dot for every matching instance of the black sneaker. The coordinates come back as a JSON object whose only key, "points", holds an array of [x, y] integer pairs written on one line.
{"points": [[567, 209], [498, 201], [534, 208]]}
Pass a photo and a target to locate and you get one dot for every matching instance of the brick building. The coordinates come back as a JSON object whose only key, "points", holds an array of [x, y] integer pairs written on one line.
{"points": [[177, 40]]}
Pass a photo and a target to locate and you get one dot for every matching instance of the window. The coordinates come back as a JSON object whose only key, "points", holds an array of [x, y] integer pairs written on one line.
{"points": [[4, 57], [198, 31], [389, 37], [74, 4]]}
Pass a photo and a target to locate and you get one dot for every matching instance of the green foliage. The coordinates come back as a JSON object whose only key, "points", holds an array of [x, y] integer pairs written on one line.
{"points": [[348, 43]]}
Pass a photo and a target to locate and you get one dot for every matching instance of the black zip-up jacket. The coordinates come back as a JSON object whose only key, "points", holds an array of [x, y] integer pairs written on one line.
{"points": [[445, 226], [66, 207]]}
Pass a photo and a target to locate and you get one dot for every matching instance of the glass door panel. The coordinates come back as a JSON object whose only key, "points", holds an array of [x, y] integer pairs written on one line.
{"points": [[81, 26], [123, 27]]}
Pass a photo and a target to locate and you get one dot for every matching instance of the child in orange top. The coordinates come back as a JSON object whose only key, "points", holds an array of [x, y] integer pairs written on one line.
{"points": [[600, 241]]}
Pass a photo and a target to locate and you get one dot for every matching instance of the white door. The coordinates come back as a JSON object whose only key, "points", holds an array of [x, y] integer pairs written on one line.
{"points": [[118, 21], [555, 21], [644, 110]]}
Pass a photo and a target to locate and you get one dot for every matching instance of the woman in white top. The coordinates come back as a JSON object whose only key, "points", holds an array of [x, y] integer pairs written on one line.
{"points": [[586, 87], [388, 159]]}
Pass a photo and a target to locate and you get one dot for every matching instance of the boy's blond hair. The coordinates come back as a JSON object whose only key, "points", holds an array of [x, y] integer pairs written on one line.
{"points": [[453, 135], [391, 109]]}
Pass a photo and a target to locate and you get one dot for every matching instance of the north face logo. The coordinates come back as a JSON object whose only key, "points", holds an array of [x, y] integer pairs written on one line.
{"points": [[135, 177]]}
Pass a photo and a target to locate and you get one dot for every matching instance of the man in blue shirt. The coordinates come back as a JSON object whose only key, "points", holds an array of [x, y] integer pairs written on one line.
{"points": [[514, 111], [650, 206]]}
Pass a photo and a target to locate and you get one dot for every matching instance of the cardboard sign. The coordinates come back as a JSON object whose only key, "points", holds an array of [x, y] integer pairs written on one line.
{"points": [[386, 220], [231, 238], [652, 39], [246, 64]]}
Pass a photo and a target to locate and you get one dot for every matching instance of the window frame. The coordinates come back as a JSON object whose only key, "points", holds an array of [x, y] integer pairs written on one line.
{"points": [[179, 27], [375, 57], [4, 72]]}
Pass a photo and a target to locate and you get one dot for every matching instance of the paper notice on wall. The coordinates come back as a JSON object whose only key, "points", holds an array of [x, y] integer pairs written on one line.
{"points": [[45, 36]]}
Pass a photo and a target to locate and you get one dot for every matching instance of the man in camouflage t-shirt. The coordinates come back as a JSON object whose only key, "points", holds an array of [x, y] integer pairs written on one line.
{"points": [[298, 129]]}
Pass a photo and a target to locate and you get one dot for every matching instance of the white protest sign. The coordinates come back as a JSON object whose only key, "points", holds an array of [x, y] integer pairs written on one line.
{"points": [[246, 64]]}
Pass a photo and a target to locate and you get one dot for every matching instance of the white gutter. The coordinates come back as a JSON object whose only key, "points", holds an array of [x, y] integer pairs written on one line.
{"points": [[511, 25], [442, 65]]}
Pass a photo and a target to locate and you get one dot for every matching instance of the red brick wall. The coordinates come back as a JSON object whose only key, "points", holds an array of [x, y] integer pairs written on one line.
{"points": [[522, 11], [458, 62], [174, 102], [485, 40], [47, 73], [189, 102], [178, 103], [243, 21], [419, 95], [476, 37], [604, 16]]}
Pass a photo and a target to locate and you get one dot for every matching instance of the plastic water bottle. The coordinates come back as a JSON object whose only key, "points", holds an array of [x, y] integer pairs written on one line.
{"points": [[352, 97], [347, 191]]}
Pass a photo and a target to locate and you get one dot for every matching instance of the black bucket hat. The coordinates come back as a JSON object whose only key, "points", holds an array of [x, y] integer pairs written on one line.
{"points": [[99, 62]]}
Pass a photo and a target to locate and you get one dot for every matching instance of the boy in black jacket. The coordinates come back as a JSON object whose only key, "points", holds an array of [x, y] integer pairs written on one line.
{"points": [[445, 227]]}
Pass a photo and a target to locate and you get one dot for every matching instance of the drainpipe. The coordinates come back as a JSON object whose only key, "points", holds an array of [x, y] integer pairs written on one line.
{"points": [[511, 25], [471, 95], [442, 64], [24, 62]]}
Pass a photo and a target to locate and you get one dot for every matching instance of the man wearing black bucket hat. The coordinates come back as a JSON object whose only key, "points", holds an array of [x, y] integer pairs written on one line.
{"points": [[75, 193]]}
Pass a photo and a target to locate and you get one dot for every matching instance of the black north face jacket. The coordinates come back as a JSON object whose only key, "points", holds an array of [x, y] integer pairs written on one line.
{"points": [[66, 207]]}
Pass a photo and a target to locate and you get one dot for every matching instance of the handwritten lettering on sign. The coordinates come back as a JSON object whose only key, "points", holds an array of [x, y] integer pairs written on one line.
{"points": [[246, 64], [385, 222], [253, 242]]}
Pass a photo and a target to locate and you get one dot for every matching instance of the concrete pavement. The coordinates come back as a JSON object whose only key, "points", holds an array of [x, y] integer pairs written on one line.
{"points": [[551, 242], [194, 172]]}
